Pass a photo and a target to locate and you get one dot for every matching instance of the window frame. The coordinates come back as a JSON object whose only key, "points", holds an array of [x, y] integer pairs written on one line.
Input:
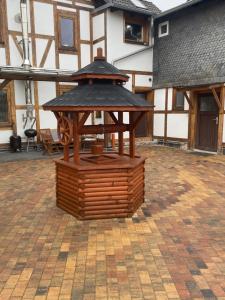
{"points": [[131, 18], [175, 107], [7, 124], [160, 27], [71, 16]]}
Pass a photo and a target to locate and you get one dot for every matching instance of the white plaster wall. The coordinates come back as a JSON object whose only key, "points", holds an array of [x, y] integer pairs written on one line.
{"points": [[68, 62], [2, 57], [4, 136], [143, 80], [99, 45], [50, 59], [43, 18], [13, 9], [46, 91], [84, 25], [177, 125], [47, 120], [141, 61], [158, 124], [160, 99], [170, 99], [19, 92], [98, 26], [40, 49], [85, 55], [15, 57], [116, 46]]}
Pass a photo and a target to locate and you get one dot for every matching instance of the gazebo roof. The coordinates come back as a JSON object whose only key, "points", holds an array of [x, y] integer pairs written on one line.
{"points": [[99, 69], [98, 96], [100, 88]]}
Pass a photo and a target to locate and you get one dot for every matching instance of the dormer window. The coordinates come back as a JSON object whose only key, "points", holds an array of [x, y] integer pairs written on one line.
{"points": [[136, 30], [163, 29]]}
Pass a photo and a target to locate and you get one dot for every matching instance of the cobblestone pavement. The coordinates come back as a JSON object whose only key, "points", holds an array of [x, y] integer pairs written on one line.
{"points": [[173, 248]]}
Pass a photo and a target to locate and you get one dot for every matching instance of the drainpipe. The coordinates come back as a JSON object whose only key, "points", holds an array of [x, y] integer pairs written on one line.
{"points": [[27, 65]]}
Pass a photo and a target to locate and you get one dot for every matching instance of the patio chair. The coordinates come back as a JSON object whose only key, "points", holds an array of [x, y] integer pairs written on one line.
{"points": [[49, 141]]}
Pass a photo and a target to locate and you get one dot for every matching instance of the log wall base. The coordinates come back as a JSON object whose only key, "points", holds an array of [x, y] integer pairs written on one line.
{"points": [[87, 191]]}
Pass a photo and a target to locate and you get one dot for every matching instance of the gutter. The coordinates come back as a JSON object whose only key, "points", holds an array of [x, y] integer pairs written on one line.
{"points": [[177, 8]]}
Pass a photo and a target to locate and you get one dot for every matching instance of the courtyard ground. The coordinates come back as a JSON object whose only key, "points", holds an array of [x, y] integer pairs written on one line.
{"points": [[173, 248]]}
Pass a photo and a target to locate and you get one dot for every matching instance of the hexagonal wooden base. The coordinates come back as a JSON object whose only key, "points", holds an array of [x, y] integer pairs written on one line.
{"points": [[108, 186]]}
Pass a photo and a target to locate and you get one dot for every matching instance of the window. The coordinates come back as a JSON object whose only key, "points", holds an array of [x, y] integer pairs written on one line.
{"points": [[163, 29], [178, 100], [4, 108], [67, 34], [136, 30]]}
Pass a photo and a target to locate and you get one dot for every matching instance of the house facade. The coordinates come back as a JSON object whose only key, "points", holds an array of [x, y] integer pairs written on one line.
{"points": [[63, 36], [189, 75]]}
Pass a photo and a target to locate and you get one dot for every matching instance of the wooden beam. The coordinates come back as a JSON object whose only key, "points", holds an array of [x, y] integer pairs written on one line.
{"points": [[101, 129], [84, 119], [19, 48], [221, 121], [138, 119], [4, 84], [113, 117], [120, 137], [76, 142], [216, 97], [188, 99], [132, 135], [45, 55]]}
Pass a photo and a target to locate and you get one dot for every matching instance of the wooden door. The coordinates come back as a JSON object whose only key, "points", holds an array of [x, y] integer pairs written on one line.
{"points": [[207, 123], [142, 128]]}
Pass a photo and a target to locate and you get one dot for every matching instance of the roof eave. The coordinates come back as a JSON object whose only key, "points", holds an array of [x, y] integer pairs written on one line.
{"points": [[177, 9], [93, 108], [125, 8]]}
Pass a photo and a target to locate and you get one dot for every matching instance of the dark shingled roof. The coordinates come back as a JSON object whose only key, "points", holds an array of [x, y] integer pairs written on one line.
{"points": [[151, 9], [100, 67], [99, 95]]}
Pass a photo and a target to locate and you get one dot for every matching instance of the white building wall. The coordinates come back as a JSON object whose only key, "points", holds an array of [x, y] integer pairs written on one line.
{"points": [[44, 12], [160, 99], [159, 123], [98, 26], [177, 126]]}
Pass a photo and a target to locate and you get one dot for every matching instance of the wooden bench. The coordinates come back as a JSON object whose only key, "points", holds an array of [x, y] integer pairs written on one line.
{"points": [[50, 141]]}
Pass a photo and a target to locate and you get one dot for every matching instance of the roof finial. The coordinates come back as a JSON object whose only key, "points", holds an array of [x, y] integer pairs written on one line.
{"points": [[99, 54]]}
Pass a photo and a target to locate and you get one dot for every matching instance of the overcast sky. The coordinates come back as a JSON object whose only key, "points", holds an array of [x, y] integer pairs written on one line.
{"points": [[167, 4]]}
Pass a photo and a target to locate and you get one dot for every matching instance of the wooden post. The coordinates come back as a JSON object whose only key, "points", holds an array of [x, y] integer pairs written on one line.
{"points": [[76, 144], [192, 120], [132, 135], [221, 121], [120, 134], [66, 153]]}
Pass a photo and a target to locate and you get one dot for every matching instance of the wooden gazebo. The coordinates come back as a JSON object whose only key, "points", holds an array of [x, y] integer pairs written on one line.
{"points": [[109, 184]]}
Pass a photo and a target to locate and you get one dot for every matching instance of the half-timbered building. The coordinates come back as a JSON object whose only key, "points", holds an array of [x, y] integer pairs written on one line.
{"points": [[189, 75], [42, 42]]}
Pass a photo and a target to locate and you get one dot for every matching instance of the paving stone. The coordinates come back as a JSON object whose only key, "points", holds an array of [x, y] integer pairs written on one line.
{"points": [[172, 248]]}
